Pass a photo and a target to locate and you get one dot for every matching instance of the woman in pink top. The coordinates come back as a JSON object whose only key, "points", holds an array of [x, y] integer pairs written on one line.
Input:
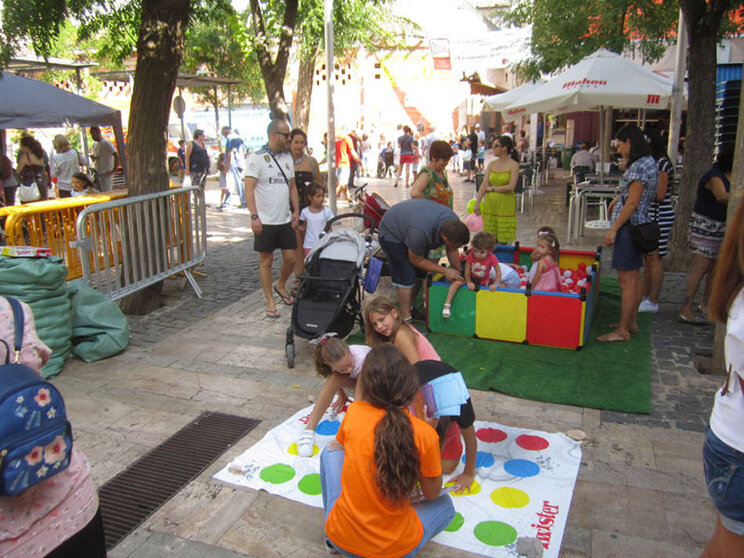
{"points": [[385, 325], [58, 517], [547, 276]]}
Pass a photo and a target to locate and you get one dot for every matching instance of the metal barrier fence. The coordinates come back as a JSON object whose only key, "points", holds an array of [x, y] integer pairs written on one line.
{"points": [[51, 224], [126, 245]]}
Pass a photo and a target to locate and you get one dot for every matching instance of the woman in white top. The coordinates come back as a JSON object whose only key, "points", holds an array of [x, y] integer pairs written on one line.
{"points": [[723, 452], [66, 161]]}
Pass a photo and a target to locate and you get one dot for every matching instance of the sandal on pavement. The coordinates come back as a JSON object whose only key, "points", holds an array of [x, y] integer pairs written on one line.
{"points": [[272, 314], [286, 298], [306, 443], [696, 320], [446, 311], [613, 337]]}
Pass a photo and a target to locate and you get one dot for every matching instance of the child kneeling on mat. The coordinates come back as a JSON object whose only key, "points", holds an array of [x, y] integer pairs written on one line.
{"points": [[380, 454], [340, 364]]}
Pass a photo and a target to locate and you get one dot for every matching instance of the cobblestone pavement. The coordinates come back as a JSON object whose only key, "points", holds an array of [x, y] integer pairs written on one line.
{"points": [[639, 492]]}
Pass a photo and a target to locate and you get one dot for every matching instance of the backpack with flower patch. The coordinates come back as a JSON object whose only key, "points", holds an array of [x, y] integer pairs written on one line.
{"points": [[35, 435]]}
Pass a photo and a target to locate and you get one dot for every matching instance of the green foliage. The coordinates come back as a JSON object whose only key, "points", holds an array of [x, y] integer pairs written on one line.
{"points": [[219, 43], [565, 31]]}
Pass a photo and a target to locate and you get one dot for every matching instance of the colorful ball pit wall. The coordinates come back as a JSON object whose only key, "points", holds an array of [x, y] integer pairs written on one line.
{"points": [[521, 316]]}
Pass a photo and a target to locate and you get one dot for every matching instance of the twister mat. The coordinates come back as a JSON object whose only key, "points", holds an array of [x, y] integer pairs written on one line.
{"points": [[523, 486]]}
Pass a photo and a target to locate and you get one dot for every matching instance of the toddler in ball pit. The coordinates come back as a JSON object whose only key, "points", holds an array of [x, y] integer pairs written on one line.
{"points": [[479, 264], [547, 275]]}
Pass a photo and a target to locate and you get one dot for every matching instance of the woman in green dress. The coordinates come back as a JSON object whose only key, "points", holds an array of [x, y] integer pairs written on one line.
{"points": [[499, 208]]}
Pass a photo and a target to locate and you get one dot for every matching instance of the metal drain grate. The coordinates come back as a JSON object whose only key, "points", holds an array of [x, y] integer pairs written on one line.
{"points": [[137, 492]]}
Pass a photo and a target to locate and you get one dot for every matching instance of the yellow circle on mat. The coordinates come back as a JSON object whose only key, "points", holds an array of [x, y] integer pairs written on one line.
{"points": [[292, 449], [508, 497], [474, 489]]}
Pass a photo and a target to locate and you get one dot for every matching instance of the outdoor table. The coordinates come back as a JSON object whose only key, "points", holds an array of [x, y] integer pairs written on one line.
{"points": [[581, 194]]}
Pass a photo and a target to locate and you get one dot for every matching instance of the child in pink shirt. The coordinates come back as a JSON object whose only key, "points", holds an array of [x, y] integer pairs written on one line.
{"points": [[547, 276], [478, 265]]}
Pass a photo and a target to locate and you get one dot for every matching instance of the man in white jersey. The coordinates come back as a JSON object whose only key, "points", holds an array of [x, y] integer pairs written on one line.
{"points": [[271, 195]]}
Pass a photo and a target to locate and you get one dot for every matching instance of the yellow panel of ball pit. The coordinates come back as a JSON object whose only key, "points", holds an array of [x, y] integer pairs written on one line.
{"points": [[572, 260], [501, 315]]}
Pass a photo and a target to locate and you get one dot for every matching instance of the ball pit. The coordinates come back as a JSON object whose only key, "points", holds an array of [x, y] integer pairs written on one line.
{"points": [[554, 319]]}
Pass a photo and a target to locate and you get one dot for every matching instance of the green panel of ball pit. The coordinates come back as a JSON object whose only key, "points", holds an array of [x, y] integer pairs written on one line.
{"points": [[462, 321]]}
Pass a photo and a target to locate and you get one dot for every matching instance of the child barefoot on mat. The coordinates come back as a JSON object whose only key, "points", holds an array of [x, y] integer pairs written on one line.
{"points": [[478, 266], [547, 276], [340, 364], [384, 325], [452, 428]]}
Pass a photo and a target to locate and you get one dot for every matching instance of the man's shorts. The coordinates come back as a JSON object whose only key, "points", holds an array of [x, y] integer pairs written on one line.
{"points": [[275, 237], [724, 475], [402, 271], [452, 447]]}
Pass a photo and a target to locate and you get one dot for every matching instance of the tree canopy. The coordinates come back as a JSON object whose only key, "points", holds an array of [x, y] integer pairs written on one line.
{"points": [[565, 31]]}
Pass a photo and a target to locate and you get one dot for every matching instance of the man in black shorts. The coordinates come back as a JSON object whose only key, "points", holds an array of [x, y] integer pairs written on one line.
{"points": [[271, 195]]}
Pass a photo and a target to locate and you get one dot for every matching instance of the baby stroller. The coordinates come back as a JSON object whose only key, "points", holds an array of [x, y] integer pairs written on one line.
{"points": [[329, 297], [371, 205]]}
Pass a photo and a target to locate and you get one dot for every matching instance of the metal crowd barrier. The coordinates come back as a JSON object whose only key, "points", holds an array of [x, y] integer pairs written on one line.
{"points": [[51, 224], [129, 244]]}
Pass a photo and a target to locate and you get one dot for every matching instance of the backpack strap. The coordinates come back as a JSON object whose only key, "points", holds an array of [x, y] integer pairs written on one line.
{"points": [[17, 309]]}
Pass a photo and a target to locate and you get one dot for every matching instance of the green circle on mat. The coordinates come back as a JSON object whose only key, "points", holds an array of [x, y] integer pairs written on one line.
{"points": [[310, 484], [495, 533], [456, 523], [277, 474]]}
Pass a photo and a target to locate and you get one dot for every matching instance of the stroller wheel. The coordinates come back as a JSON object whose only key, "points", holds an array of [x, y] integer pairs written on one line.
{"points": [[290, 350]]}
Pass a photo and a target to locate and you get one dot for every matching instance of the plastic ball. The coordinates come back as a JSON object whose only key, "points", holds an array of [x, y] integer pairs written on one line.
{"points": [[567, 273], [474, 222], [569, 281], [471, 206], [582, 266]]}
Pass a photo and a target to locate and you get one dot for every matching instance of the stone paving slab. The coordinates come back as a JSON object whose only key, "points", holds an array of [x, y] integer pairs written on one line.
{"points": [[639, 492]]}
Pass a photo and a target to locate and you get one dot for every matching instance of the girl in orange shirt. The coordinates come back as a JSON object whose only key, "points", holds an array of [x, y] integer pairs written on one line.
{"points": [[380, 454]]}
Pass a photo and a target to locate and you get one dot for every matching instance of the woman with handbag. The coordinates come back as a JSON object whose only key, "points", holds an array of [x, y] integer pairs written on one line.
{"points": [[629, 234], [32, 171], [707, 226], [60, 516], [723, 452]]}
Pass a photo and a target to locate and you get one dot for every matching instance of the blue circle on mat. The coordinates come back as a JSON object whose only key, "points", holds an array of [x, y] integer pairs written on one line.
{"points": [[482, 459], [328, 428], [521, 468]]}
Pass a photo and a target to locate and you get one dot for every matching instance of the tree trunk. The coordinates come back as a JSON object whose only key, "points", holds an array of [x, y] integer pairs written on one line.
{"points": [[700, 132], [274, 71], [159, 52], [735, 197], [305, 76]]}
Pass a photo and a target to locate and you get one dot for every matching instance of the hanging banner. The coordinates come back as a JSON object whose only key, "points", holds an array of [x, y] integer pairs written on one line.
{"points": [[440, 52]]}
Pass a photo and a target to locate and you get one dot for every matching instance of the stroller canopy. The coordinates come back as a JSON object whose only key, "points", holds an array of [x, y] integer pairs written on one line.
{"points": [[345, 245]]}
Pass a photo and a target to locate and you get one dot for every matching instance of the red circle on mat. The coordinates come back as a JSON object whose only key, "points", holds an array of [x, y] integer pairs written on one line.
{"points": [[491, 435], [535, 443]]}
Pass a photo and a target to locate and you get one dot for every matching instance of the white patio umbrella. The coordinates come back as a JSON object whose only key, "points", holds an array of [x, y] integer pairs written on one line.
{"points": [[599, 80], [602, 79], [502, 100]]}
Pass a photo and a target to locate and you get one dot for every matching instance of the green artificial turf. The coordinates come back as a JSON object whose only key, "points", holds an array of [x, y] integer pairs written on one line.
{"points": [[613, 376]]}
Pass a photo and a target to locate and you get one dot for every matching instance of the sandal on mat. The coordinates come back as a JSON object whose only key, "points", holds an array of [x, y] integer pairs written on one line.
{"points": [[446, 312], [306, 443]]}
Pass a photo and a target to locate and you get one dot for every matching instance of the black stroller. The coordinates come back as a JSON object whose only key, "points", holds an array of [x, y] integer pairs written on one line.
{"points": [[329, 297]]}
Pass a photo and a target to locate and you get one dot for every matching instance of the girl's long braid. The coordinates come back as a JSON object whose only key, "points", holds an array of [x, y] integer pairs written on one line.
{"points": [[390, 382]]}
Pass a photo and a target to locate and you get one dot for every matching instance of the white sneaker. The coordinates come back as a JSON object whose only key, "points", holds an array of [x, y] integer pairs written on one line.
{"points": [[648, 306], [306, 443]]}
